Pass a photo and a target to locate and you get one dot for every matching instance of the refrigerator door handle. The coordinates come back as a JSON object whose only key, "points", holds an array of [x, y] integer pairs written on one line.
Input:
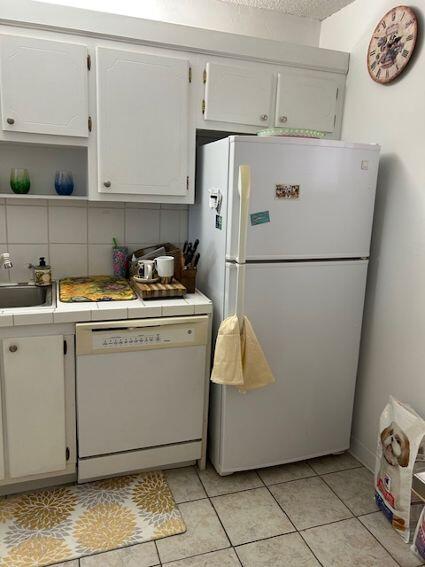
{"points": [[244, 190]]}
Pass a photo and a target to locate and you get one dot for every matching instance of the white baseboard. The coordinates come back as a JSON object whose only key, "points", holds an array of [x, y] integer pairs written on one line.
{"points": [[363, 454]]}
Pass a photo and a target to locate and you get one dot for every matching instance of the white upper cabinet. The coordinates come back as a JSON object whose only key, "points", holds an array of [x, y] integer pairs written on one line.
{"points": [[306, 99], [142, 114], [43, 86], [237, 94]]}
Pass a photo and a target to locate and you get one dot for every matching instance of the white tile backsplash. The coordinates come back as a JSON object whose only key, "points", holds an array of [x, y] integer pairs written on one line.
{"points": [[68, 225], [68, 260], [100, 259], [24, 254], [26, 224], [3, 236], [170, 226], [76, 237], [142, 225], [104, 224], [4, 274]]}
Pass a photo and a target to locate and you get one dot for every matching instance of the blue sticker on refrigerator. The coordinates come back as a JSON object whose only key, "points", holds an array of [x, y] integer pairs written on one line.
{"points": [[261, 217]]}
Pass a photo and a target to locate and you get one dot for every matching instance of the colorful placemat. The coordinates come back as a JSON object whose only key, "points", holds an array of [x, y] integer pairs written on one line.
{"points": [[59, 524], [95, 288]]}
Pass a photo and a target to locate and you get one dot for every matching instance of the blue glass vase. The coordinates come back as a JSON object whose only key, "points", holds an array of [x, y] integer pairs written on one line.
{"points": [[64, 183]]}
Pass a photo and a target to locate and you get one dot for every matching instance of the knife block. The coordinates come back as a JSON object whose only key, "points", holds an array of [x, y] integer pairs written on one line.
{"points": [[188, 277]]}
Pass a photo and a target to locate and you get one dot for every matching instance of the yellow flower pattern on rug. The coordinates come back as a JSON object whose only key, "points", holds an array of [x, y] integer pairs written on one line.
{"points": [[57, 525], [105, 526], [44, 509], [37, 551]]}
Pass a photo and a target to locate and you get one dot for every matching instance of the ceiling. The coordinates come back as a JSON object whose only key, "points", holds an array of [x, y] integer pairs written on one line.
{"points": [[316, 9]]}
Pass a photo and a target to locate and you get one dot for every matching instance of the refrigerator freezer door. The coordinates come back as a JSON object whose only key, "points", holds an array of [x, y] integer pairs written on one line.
{"points": [[309, 198], [307, 317]]}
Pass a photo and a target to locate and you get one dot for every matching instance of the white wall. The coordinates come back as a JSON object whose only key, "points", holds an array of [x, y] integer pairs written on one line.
{"points": [[212, 15], [393, 347]]}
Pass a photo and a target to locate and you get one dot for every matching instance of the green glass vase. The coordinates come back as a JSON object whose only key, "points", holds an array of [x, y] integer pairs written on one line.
{"points": [[20, 180]]}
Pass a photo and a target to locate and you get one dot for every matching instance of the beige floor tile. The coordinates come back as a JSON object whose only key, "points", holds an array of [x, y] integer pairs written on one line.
{"points": [[309, 502], [251, 515], [347, 544], [380, 527], [355, 488], [142, 555], [283, 473], [73, 563], [216, 485], [223, 558], [334, 463], [185, 485], [204, 533], [284, 551]]}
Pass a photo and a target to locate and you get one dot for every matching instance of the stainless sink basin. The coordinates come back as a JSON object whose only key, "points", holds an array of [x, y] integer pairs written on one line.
{"points": [[24, 295]]}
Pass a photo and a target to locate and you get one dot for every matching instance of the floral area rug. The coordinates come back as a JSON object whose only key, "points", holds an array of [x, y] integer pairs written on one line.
{"points": [[59, 524]]}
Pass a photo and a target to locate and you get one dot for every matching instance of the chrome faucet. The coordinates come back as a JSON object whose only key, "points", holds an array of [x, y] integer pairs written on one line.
{"points": [[6, 261]]}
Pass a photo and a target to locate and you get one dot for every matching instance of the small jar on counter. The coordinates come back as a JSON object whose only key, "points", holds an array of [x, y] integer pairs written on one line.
{"points": [[42, 273]]}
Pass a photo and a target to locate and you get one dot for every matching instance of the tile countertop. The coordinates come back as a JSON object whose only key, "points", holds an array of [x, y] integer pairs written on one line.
{"points": [[192, 304]]}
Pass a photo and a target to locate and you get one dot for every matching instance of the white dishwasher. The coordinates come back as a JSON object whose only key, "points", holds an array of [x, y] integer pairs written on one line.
{"points": [[141, 393]]}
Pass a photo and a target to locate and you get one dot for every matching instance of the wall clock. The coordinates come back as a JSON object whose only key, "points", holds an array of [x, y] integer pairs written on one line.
{"points": [[392, 44]]}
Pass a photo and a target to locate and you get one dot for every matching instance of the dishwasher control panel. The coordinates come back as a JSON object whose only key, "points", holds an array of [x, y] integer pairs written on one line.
{"points": [[136, 338]]}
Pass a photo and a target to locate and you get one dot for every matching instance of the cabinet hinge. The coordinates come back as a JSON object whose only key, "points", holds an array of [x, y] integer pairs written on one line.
{"points": [[204, 76], [203, 106], [88, 62], [190, 74], [90, 124], [187, 183], [67, 453], [65, 347]]}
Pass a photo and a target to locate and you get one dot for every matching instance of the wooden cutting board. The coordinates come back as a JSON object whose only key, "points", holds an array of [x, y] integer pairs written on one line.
{"points": [[95, 288], [157, 290]]}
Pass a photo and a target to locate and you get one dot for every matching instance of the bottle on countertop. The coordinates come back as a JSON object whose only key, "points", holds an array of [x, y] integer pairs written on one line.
{"points": [[42, 273]]}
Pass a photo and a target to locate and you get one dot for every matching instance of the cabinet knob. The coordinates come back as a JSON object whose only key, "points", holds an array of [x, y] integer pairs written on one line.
{"points": [[10, 121], [107, 183], [13, 348], [264, 117], [283, 118]]}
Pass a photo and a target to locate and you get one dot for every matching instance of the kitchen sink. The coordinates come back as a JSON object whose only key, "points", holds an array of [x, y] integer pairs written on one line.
{"points": [[25, 295]]}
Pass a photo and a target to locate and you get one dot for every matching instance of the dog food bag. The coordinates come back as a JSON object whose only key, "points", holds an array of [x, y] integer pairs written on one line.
{"points": [[418, 545], [401, 434]]}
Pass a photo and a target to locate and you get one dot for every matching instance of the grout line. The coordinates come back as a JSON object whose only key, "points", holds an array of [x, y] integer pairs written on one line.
{"points": [[377, 540], [289, 518]]}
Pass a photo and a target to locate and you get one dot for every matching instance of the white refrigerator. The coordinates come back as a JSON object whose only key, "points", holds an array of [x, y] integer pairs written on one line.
{"points": [[301, 275]]}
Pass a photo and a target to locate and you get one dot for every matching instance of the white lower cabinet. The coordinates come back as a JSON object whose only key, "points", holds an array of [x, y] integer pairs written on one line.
{"points": [[38, 407]]}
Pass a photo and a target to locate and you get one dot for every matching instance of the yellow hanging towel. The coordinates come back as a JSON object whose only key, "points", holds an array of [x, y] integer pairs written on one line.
{"points": [[239, 359]]}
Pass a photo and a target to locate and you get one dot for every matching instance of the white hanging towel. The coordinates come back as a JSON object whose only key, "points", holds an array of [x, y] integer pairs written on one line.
{"points": [[239, 359]]}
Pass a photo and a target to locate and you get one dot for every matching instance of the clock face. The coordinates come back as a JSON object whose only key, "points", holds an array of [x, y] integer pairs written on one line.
{"points": [[392, 44]]}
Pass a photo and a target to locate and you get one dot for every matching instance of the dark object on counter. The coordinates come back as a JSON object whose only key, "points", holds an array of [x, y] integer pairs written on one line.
{"points": [[170, 250]]}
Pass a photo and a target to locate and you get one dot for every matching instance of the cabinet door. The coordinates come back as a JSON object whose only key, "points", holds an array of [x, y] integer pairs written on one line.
{"points": [[239, 95], [306, 99], [34, 389], [142, 123], [43, 86]]}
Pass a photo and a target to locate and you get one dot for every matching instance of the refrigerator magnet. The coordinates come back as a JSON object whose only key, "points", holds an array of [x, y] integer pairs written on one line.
{"points": [[260, 218], [284, 191], [218, 222]]}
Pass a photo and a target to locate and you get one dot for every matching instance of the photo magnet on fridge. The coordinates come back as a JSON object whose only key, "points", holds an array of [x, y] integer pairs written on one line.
{"points": [[284, 191]]}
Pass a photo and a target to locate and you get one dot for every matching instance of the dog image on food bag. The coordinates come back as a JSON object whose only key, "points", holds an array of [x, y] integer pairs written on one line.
{"points": [[400, 438], [396, 453]]}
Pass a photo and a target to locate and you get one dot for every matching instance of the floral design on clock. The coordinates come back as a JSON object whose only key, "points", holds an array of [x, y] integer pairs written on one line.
{"points": [[392, 44]]}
